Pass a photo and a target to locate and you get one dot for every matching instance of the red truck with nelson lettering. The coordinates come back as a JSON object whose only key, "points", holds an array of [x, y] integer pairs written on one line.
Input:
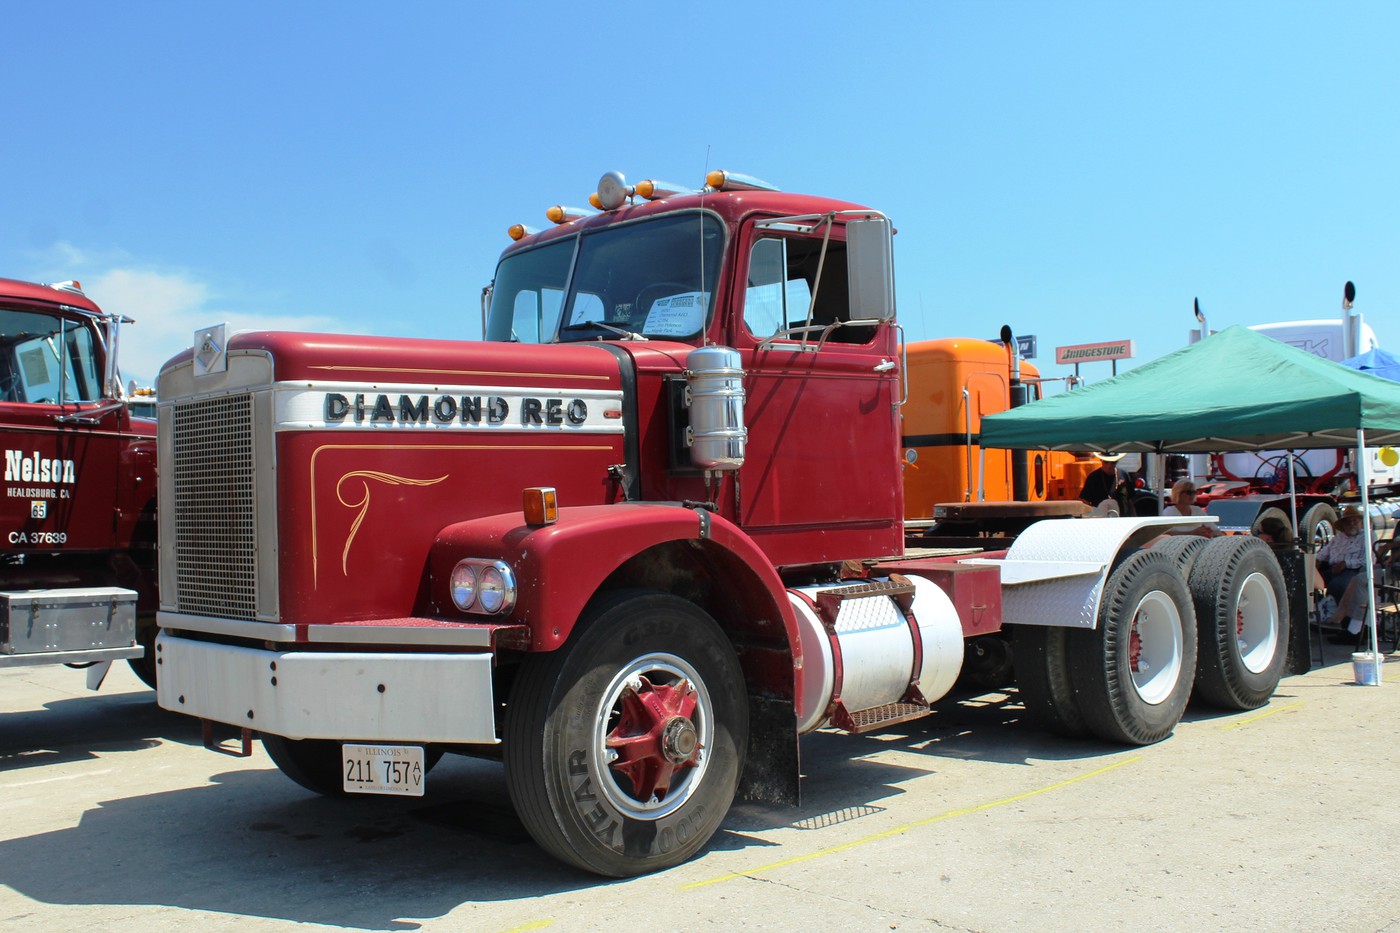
{"points": [[640, 539], [77, 514]]}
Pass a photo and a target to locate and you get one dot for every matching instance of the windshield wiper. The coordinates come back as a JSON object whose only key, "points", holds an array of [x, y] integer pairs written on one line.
{"points": [[624, 334]]}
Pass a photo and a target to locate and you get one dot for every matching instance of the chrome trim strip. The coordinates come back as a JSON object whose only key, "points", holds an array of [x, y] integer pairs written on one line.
{"points": [[234, 628], [460, 636]]}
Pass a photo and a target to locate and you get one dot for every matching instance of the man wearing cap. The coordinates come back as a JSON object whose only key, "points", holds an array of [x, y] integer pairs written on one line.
{"points": [[1341, 559], [1102, 483]]}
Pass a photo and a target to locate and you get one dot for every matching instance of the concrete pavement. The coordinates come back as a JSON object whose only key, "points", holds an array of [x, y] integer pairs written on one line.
{"points": [[113, 816]]}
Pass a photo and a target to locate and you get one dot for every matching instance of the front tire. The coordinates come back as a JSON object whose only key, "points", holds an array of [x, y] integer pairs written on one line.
{"points": [[624, 748], [145, 667], [1134, 671], [1242, 609]]}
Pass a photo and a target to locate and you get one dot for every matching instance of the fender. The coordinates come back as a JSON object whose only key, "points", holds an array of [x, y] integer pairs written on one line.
{"points": [[1055, 571], [559, 567]]}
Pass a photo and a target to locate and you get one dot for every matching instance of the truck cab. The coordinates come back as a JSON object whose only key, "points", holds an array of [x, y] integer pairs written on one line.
{"points": [[768, 274]]}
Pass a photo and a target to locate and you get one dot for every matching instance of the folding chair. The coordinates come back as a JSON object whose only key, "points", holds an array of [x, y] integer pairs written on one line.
{"points": [[1387, 573]]}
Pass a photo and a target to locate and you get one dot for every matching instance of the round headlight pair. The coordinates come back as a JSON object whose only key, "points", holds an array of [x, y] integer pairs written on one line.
{"points": [[483, 586]]}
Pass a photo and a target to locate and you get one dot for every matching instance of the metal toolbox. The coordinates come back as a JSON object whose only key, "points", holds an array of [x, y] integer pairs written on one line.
{"points": [[77, 619]]}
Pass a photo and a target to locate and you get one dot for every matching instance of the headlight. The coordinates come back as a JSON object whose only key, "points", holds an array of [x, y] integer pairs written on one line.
{"points": [[464, 585], [496, 592], [483, 586]]}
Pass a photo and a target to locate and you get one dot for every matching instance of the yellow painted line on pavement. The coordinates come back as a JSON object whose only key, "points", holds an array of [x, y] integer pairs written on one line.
{"points": [[532, 925], [1264, 715], [899, 830]]}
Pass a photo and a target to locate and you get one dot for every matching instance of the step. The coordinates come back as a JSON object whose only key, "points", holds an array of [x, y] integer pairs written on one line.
{"points": [[868, 720], [898, 589]]}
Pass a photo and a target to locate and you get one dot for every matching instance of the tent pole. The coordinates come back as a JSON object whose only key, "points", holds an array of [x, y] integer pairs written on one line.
{"points": [[1162, 481], [1363, 482], [1292, 497]]}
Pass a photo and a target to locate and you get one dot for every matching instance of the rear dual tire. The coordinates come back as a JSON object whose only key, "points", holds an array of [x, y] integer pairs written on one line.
{"points": [[1132, 674], [1241, 604], [1042, 677]]}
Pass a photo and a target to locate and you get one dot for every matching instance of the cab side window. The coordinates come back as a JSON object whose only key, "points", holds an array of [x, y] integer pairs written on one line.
{"points": [[46, 360], [782, 278]]}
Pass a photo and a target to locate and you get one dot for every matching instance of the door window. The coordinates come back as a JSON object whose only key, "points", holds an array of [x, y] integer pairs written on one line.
{"points": [[47, 359], [784, 274]]}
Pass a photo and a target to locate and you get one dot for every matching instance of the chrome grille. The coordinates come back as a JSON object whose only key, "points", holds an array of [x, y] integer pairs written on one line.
{"points": [[215, 512]]}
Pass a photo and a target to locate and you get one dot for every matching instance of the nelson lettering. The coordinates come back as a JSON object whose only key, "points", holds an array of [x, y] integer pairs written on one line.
{"points": [[466, 410]]}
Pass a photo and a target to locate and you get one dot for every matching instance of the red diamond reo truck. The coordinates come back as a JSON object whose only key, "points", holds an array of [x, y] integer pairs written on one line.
{"points": [[639, 539]]}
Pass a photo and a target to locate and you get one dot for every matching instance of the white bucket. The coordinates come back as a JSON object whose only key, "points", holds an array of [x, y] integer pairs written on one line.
{"points": [[1366, 669]]}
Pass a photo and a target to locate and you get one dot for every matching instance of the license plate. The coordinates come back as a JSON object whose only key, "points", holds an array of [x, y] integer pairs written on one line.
{"points": [[382, 769]]}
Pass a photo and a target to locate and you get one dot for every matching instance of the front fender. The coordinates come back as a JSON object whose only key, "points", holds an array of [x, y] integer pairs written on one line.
{"points": [[559, 567]]}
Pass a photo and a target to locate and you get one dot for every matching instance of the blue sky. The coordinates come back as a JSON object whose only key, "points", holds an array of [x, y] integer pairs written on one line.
{"points": [[1078, 170]]}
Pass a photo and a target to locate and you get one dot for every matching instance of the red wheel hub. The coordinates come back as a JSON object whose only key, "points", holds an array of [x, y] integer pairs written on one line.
{"points": [[655, 736], [1135, 649]]}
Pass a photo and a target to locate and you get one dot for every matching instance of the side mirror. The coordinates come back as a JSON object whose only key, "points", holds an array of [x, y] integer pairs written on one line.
{"points": [[870, 254]]}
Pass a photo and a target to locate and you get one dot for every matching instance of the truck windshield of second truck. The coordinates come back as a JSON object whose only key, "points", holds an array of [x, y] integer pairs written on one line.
{"points": [[652, 278]]}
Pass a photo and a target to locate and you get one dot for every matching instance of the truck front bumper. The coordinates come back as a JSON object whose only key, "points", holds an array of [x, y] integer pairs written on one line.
{"points": [[346, 696]]}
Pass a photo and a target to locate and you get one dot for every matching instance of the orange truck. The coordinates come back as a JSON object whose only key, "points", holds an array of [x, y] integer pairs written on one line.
{"points": [[953, 383]]}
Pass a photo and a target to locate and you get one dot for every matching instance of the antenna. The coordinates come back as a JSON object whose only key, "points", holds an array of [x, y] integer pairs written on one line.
{"points": [[705, 174]]}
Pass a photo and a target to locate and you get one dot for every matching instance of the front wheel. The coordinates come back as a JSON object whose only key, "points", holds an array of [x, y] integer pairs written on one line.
{"points": [[624, 748], [145, 667]]}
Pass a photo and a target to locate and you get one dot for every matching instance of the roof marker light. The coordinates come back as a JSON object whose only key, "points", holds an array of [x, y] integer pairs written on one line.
{"points": [[560, 214], [720, 180], [654, 190], [520, 231]]}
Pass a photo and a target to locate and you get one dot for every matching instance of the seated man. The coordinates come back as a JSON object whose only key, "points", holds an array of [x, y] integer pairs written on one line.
{"points": [[1350, 613], [1342, 563]]}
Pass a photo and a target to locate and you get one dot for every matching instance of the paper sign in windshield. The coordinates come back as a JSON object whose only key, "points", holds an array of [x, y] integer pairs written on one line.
{"points": [[676, 316]]}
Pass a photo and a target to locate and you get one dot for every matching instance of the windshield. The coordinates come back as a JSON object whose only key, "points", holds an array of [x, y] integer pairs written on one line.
{"points": [[654, 278]]}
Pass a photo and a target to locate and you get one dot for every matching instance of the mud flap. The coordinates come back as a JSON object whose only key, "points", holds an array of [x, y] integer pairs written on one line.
{"points": [[97, 673], [772, 766], [1294, 567]]}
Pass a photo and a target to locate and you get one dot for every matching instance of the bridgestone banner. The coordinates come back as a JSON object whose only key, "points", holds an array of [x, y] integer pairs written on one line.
{"points": [[1094, 352]]}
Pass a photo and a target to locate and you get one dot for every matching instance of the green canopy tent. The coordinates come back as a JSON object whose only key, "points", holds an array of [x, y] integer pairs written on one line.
{"points": [[1235, 390]]}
